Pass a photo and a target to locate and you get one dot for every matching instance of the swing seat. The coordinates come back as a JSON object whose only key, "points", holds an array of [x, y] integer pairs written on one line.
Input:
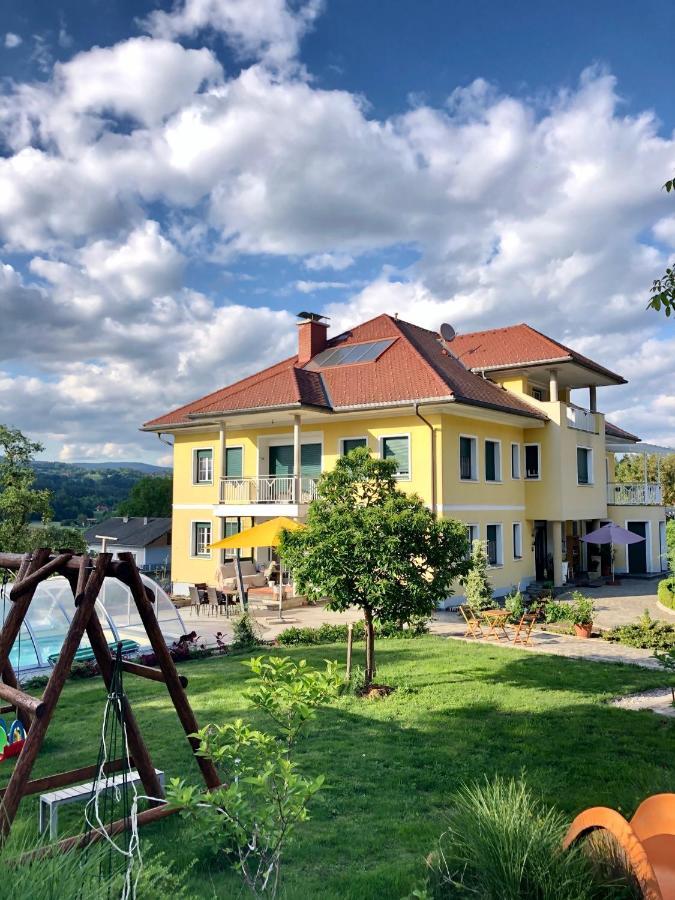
{"points": [[12, 750]]}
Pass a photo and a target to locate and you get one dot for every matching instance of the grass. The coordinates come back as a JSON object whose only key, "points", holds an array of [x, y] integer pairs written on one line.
{"points": [[460, 711]]}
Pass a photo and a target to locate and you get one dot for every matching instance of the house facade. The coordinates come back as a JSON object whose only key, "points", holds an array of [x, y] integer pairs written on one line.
{"points": [[480, 425]]}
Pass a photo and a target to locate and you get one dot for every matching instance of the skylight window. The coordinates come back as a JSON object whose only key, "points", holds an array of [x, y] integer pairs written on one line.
{"points": [[353, 353]]}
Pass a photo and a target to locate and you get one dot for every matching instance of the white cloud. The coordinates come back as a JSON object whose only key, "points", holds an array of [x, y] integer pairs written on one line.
{"points": [[267, 29], [12, 40], [308, 287], [336, 261]]}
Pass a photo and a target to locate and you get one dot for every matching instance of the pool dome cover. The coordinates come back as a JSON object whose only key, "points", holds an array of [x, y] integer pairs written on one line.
{"points": [[51, 610]]}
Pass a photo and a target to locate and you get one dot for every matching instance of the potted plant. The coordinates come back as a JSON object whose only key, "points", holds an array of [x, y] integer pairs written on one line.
{"points": [[581, 614]]}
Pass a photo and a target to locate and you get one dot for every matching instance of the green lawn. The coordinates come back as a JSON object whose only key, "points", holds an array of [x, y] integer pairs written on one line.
{"points": [[460, 711]]}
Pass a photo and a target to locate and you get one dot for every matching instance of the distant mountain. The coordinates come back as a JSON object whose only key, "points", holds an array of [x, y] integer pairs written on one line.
{"points": [[88, 492]]}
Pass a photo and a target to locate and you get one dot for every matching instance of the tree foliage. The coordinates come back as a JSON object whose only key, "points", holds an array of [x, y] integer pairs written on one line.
{"points": [[368, 544], [150, 496], [19, 500], [663, 289], [477, 585], [630, 469]]}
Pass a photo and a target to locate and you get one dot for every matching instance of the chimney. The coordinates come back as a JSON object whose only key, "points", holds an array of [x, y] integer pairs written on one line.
{"points": [[311, 336]]}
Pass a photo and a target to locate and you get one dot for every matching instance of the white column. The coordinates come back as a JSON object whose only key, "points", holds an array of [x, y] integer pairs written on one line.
{"points": [[296, 457], [556, 535], [553, 385], [592, 398], [223, 462]]}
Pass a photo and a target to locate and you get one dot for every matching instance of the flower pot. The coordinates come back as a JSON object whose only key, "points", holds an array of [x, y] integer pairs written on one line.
{"points": [[583, 631]]}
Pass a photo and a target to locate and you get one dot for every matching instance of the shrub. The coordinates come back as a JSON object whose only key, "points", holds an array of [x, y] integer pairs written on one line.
{"points": [[581, 609], [646, 634], [88, 669], [515, 605], [246, 632], [503, 843], [337, 634], [555, 611], [36, 683], [666, 592], [477, 587]]}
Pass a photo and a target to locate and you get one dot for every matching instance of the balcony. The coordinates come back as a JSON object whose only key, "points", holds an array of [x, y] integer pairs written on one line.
{"points": [[268, 489], [581, 419], [634, 494]]}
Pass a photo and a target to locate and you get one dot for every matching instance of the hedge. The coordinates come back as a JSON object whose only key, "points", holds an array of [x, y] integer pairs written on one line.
{"points": [[666, 592]]}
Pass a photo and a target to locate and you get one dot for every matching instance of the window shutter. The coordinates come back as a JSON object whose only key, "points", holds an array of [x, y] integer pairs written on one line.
{"points": [[490, 461], [234, 462], [281, 460], [310, 460], [396, 448]]}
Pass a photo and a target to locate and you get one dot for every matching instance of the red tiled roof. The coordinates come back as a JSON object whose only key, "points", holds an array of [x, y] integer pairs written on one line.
{"points": [[614, 431], [518, 345], [414, 367]]}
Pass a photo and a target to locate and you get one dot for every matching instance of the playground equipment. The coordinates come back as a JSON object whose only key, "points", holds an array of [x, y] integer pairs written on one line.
{"points": [[648, 841], [86, 577]]}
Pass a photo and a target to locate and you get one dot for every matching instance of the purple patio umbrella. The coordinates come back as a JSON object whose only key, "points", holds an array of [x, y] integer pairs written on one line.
{"points": [[612, 534]]}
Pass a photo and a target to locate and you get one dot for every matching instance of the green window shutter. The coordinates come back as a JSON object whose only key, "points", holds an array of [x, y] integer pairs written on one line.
{"points": [[582, 465], [281, 460], [465, 458], [350, 444], [234, 463], [310, 460], [232, 526], [490, 461], [397, 448]]}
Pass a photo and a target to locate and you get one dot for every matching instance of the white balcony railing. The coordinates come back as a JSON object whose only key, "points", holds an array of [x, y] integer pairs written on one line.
{"points": [[581, 419], [268, 489], [634, 494]]}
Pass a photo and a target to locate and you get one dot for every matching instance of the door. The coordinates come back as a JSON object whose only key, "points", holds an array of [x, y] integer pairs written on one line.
{"points": [[281, 460], [637, 553], [540, 552]]}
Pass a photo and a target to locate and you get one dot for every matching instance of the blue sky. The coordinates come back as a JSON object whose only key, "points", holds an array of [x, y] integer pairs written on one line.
{"points": [[179, 179]]}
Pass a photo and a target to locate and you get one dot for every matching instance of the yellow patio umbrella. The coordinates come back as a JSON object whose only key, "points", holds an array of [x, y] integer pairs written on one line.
{"points": [[267, 534]]}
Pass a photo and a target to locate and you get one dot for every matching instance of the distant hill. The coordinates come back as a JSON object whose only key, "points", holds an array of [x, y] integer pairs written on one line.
{"points": [[82, 492]]}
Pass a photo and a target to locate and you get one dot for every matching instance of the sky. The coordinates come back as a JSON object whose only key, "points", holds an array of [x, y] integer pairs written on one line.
{"points": [[177, 180]]}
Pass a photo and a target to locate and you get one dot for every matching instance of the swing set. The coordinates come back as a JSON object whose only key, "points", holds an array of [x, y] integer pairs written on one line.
{"points": [[26, 733]]}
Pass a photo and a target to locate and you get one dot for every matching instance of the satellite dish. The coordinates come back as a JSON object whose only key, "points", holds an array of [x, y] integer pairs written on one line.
{"points": [[447, 332]]}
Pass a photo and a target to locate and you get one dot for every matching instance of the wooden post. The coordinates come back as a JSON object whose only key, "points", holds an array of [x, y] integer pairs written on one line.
{"points": [[243, 598], [31, 748], [168, 667], [17, 612], [350, 644]]}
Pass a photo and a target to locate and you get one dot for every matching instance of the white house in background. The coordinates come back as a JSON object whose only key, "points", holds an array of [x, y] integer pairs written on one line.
{"points": [[147, 537]]}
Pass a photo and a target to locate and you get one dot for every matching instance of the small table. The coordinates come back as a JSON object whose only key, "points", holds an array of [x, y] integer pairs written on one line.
{"points": [[496, 619]]}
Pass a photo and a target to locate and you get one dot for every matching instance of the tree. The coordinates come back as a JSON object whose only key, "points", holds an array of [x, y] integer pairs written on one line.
{"points": [[150, 496], [631, 469], [663, 289], [368, 544], [19, 501], [57, 537], [477, 585]]}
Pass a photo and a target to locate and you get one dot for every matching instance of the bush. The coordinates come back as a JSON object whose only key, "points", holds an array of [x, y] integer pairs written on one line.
{"points": [[555, 611], [515, 605], [646, 634], [337, 634], [666, 592], [501, 842], [581, 609], [477, 587], [246, 632]]}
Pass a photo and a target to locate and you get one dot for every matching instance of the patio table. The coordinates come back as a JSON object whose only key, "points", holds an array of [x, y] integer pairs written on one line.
{"points": [[496, 619]]}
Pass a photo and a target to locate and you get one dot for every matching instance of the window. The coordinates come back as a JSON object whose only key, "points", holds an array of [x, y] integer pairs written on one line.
{"points": [[467, 459], [201, 538], [494, 545], [584, 465], [398, 449], [234, 462], [532, 464], [517, 540], [203, 473], [515, 460], [538, 394], [473, 535], [493, 462], [349, 444]]}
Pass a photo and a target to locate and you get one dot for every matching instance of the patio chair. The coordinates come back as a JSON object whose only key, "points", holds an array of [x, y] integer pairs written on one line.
{"points": [[473, 626], [213, 598], [524, 628], [195, 599], [648, 841]]}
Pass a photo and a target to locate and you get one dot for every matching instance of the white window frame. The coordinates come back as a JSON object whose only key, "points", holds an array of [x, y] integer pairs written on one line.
{"points": [[538, 390], [538, 446], [193, 538], [469, 526], [195, 464], [498, 460], [517, 529], [355, 437], [499, 544], [397, 434], [517, 477], [475, 462], [591, 478]]}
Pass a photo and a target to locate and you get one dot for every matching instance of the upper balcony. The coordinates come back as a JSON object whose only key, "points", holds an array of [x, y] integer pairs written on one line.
{"points": [[581, 419], [272, 489], [634, 494]]}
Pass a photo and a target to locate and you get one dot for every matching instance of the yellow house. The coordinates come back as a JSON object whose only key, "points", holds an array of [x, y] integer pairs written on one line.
{"points": [[480, 425]]}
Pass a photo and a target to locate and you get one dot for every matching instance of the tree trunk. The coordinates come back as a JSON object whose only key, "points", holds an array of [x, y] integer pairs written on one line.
{"points": [[370, 646]]}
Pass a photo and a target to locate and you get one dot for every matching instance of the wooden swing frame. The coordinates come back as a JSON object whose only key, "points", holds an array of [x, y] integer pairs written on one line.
{"points": [[86, 577]]}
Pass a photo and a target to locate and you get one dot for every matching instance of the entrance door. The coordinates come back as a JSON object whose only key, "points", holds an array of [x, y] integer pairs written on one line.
{"points": [[540, 552], [281, 460], [637, 553]]}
